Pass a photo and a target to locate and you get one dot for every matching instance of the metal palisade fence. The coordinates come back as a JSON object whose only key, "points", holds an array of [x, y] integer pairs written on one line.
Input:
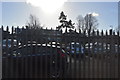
{"points": [[47, 53]]}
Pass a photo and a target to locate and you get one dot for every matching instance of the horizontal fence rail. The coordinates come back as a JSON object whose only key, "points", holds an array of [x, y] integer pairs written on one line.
{"points": [[47, 53]]}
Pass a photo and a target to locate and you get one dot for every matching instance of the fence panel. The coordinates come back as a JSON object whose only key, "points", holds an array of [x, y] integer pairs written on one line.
{"points": [[89, 55]]}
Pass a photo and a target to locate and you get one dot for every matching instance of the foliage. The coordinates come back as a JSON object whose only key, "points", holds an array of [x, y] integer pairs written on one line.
{"points": [[64, 23]]}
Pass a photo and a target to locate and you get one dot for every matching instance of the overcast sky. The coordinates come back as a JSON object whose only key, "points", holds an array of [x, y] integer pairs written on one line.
{"points": [[17, 13]]}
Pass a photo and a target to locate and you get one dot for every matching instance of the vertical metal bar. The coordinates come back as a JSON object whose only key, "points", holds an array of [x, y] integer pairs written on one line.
{"points": [[80, 53], [118, 54], [34, 54], [37, 52], [26, 51], [66, 44], [18, 38], [84, 63], [1, 52], [102, 55], [51, 55], [110, 55], [117, 67], [103, 67], [89, 55], [20, 60], [56, 53], [106, 53], [46, 49], [3, 59], [73, 48], [31, 53], [116, 59], [17, 51], [41, 57], [82, 56], [114, 52], [12, 54], [66, 37], [71, 58], [94, 55], [112, 58], [100, 49], [22, 51], [6, 65], [106, 58], [97, 53], [75, 54], [98, 60], [94, 58], [60, 55]]}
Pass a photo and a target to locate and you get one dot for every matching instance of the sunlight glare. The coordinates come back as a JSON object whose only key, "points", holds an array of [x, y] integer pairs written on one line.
{"points": [[48, 6]]}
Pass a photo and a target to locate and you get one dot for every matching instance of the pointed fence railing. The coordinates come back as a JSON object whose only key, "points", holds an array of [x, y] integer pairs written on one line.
{"points": [[92, 54]]}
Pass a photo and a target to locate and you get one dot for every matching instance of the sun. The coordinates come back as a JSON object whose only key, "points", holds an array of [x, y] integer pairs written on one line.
{"points": [[48, 6]]}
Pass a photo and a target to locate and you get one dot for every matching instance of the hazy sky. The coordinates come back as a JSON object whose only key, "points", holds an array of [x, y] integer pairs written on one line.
{"points": [[17, 13]]}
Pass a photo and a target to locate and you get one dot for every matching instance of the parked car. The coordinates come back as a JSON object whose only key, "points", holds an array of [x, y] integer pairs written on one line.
{"points": [[75, 49], [48, 57], [97, 49], [7, 44]]}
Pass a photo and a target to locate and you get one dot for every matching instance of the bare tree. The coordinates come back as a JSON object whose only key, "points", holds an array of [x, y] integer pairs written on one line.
{"points": [[33, 22], [117, 28], [87, 23], [80, 22]]}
